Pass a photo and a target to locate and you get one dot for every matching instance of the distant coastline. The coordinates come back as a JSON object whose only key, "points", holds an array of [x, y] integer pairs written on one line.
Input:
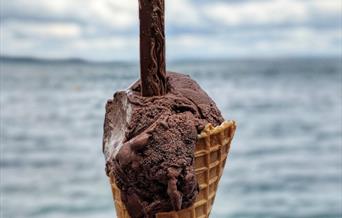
{"points": [[36, 59], [26, 59]]}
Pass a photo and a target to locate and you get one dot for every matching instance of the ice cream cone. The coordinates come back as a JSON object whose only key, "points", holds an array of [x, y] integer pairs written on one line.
{"points": [[210, 157]]}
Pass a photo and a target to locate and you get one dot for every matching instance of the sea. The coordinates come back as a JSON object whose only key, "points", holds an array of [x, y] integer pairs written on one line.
{"points": [[285, 160]]}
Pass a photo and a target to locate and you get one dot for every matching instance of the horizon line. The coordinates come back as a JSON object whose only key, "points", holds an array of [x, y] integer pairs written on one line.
{"points": [[186, 59]]}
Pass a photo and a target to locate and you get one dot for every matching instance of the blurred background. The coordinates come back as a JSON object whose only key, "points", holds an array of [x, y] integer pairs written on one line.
{"points": [[274, 66]]}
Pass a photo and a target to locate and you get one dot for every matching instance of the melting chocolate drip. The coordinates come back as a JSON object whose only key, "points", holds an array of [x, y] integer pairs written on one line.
{"points": [[152, 48]]}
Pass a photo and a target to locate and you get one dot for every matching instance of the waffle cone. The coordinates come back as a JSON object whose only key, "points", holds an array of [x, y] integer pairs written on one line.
{"points": [[211, 152]]}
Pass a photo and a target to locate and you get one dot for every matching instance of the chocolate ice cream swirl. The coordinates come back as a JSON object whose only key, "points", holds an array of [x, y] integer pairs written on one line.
{"points": [[149, 144]]}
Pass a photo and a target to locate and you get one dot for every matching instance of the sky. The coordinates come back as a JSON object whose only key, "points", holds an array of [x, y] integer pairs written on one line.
{"points": [[103, 30]]}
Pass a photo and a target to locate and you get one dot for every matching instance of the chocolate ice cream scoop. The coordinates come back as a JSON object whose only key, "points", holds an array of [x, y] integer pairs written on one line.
{"points": [[149, 144]]}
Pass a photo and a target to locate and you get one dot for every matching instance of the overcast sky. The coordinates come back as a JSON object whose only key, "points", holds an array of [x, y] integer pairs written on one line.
{"points": [[108, 29]]}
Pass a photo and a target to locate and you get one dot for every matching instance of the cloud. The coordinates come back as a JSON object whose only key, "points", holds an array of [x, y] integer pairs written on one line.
{"points": [[108, 29], [60, 40], [274, 13], [331, 7], [104, 13], [182, 13], [267, 12], [276, 43], [41, 30]]}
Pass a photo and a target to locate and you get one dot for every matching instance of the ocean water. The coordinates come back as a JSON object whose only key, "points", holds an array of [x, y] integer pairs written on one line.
{"points": [[285, 159]]}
